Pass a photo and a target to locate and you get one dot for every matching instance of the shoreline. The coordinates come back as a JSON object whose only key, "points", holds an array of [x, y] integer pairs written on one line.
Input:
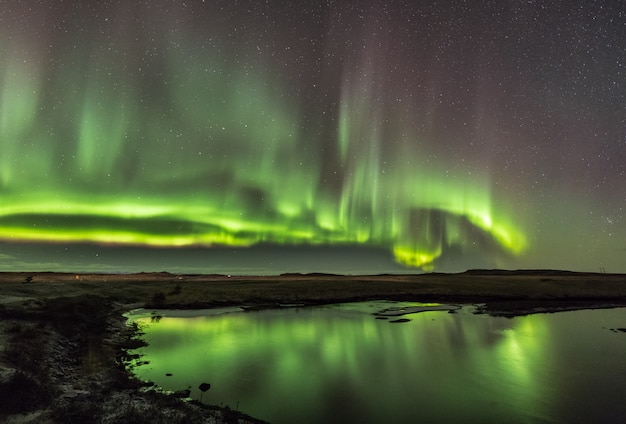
{"points": [[65, 339]]}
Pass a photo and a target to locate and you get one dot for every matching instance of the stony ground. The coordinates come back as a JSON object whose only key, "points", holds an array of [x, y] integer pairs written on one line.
{"points": [[64, 361]]}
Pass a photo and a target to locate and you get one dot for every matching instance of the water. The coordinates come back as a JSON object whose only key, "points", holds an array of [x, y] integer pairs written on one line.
{"points": [[339, 364]]}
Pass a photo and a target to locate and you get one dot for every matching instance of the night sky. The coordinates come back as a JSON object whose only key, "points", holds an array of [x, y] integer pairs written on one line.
{"points": [[334, 136]]}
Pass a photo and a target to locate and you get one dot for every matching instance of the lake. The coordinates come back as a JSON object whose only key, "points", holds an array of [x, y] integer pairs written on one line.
{"points": [[353, 363]]}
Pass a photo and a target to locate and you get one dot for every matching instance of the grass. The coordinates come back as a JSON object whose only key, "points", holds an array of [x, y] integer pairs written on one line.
{"points": [[187, 291], [37, 336]]}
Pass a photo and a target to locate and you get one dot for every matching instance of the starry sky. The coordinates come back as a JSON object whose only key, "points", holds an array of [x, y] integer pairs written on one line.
{"points": [[260, 137]]}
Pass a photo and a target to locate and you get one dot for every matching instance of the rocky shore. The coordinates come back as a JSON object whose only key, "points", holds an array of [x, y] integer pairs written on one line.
{"points": [[65, 360]]}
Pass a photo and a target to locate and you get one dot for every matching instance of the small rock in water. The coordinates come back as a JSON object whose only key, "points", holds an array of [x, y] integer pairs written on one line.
{"points": [[203, 388], [400, 320], [169, 374]]}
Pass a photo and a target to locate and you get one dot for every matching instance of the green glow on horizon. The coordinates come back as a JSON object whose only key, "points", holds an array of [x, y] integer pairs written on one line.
{"points": [[220, 158]]}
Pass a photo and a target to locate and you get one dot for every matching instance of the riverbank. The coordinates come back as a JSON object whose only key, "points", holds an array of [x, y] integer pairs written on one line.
{"points": [[65, 360], [65, 341]]}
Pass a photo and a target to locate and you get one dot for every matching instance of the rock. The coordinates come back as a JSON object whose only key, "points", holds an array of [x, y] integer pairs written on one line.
{"points": [[400, 320], [182, 393]]}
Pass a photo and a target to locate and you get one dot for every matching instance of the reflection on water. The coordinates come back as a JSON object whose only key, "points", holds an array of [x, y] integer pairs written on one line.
{"points": [[341, 363]]}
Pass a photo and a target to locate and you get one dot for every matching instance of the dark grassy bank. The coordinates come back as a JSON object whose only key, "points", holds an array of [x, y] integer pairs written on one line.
{"points": [[65, 359], [199, 291]]}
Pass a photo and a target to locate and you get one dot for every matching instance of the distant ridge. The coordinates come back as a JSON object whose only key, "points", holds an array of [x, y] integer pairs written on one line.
{"points": [[524, 272]]}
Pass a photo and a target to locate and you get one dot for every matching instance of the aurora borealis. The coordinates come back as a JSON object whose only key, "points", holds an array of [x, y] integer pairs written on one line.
{"points": [[449, 134]]}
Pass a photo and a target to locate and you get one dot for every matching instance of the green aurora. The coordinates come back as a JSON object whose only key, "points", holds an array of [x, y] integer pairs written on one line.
{"points": [[222, 162], [219, 159], [213, 125]]}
